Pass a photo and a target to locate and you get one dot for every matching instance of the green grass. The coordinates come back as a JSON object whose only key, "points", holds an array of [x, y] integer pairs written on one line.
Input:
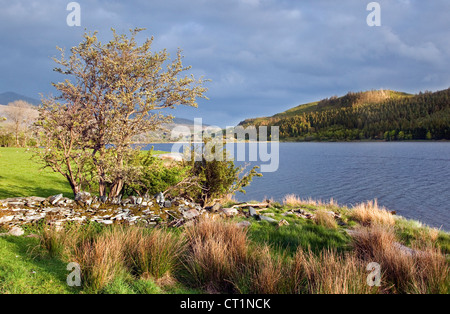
{"points": [[22, 175], [412, 231], [300, 232], [24, 270]]}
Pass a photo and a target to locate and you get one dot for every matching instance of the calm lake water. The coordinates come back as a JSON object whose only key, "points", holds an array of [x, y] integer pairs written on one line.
{"points": [[410, 178]]}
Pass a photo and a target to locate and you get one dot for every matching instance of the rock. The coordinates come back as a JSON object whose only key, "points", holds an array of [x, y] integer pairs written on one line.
{"points": [[16, 231], [261, 217], [252, 212], [216, 207], [55, 198], [65, 210], [190, 214], [84, 198], [116, 200], [5, 219], [230, 211], [126, 202], [103, 199], [167, 204], [160, 198], [15, 204], [283, 222], [244, 224]]}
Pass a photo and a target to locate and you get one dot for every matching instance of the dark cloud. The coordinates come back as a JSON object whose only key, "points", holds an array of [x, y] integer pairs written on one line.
{"points": [[263, 56]]}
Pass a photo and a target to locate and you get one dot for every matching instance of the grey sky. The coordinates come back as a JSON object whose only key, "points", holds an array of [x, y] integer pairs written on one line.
{"points": [[263, 56]]}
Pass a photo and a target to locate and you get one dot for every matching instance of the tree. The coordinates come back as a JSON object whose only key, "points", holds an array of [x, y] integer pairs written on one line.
{"points": [[20, 114], [63, 136], [212, 179], [119, 90]]}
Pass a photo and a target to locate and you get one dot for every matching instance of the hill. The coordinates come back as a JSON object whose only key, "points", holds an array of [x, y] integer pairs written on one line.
{"points": [[7, 97], [371, 115]]}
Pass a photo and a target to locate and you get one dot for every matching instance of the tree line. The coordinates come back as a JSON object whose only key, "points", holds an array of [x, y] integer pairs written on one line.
{"points": [[16, 124], [376, 115]]}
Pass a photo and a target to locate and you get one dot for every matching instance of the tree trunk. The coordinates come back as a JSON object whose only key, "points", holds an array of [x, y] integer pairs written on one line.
{"points": [[73, 184], [17, 135], [116, 188], [101, 187]]}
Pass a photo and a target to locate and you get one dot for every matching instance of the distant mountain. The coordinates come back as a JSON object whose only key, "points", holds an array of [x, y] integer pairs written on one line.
{"points": [[372, 115], [7, 97]]}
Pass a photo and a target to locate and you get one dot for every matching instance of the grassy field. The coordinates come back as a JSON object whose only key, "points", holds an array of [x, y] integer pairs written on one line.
{"points": [[20, 175], [216, 256]]}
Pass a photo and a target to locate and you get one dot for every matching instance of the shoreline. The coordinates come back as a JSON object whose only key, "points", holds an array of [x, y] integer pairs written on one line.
{"points": [[291, 141]]}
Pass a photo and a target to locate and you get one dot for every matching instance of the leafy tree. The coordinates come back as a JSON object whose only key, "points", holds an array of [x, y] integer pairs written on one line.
{"points": [[155, 175], [215, 178], [118, 90]]}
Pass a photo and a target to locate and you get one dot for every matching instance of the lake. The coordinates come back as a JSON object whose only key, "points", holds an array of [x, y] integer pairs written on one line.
{"points": [[412, 178]]}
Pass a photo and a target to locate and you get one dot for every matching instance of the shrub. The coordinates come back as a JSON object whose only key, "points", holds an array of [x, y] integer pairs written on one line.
{"points": [[213, 179], [154, 175]]}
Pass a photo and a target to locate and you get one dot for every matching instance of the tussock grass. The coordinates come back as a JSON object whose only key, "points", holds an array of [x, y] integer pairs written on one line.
{"points": [[116, 251], [217, 250], [217, 256], [293, 200], [301, 233], [263, 274], [370, 213], [327, 273], [404, 271], [53, 241], [324, 218], [152, 254], [101, 259]]}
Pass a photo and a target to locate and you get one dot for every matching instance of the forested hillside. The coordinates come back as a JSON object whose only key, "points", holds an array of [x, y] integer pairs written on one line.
{"points": [[373, 115]]}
